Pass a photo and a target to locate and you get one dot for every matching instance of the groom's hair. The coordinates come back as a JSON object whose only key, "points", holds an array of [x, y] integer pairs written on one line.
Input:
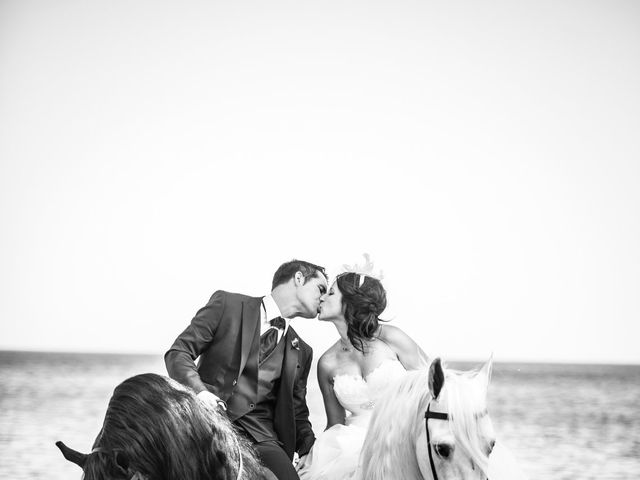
{"points": [[287, 270]]}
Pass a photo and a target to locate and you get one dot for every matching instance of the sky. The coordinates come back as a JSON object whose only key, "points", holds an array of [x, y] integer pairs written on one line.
{"points": [[485, 155]]}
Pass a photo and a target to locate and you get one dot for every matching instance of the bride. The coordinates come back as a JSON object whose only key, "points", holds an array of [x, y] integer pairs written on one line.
{"points": [[354, 372]]}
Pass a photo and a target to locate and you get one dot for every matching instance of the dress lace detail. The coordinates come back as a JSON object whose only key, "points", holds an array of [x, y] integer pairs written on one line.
{"points": [[336, 451], [358, 395]]}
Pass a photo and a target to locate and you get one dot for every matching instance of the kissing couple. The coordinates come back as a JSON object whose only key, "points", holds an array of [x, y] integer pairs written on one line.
{"points": [[253, 365]]}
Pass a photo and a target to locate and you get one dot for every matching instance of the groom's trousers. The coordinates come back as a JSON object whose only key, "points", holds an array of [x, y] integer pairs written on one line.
{"points": [[275, 459]]}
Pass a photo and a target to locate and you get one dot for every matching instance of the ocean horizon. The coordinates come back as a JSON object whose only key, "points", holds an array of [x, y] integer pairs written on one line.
{"points": [[455, 360], [560, 420]]}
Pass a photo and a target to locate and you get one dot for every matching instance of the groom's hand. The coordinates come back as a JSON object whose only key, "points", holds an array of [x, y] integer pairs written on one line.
{"points": [[208, 397]]}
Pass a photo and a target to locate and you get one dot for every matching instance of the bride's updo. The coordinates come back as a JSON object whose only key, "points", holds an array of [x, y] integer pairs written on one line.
{"points": [[362, 303]]}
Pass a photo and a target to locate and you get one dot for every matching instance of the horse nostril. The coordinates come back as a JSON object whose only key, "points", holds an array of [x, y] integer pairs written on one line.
{"points": [[492, 444]]}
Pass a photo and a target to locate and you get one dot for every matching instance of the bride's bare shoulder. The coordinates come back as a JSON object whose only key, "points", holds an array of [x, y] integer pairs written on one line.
{"points": [[391, 334]]}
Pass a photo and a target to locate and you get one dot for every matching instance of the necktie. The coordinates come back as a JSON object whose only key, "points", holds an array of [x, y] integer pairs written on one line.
{"points": [[269, 339]]}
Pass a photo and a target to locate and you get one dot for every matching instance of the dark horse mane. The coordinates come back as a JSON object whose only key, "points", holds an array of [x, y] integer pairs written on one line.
{"points": [[156, 429]]}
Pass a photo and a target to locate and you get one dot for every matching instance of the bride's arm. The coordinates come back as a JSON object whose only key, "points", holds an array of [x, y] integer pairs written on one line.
{"points": [[334, 411], [409, 352]]}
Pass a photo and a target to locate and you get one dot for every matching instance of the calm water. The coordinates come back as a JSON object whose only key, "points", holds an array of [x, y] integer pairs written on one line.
{"points": [[560, 421]]}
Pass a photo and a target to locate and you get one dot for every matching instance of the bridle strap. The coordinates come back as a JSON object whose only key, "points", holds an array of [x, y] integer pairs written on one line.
{"points": [[438, 416]]}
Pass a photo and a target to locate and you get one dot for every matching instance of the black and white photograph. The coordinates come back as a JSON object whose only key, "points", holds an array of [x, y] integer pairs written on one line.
{"points": [[337, 240]]}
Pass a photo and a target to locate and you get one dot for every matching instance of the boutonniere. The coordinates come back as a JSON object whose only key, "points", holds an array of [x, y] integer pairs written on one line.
{"points": [[295, 343]]}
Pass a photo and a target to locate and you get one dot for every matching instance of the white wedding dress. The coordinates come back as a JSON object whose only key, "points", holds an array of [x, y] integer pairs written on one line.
{"points": [[335, 453]]}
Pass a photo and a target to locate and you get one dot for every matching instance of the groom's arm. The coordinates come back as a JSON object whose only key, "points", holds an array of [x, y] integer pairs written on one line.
{"points": [[304, 433], [180, 358]]}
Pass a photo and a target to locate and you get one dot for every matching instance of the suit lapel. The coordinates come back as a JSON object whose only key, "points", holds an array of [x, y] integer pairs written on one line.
{"points": [[250, 327]]}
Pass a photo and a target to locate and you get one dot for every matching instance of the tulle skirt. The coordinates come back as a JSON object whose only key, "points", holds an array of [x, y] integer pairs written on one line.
{"points": [[335, 454]]}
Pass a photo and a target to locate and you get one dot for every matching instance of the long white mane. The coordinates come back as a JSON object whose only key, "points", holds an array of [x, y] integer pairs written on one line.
{"points": [[389, 448], [389, 451]]}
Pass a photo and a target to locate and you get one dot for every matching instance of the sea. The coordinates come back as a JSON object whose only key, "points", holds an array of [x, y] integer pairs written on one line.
{"points": [[560, 421]]}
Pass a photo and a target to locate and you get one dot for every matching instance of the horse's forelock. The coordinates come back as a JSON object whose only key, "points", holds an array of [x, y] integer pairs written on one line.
{"points": [[466, 398]]}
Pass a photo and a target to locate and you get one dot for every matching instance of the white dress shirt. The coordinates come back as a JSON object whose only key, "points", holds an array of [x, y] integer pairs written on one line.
{"points": [[269, 311]]}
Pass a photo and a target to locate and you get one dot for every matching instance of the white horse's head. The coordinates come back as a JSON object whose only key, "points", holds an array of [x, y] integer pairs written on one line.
{"points": [[458, 435], [434, 425]]}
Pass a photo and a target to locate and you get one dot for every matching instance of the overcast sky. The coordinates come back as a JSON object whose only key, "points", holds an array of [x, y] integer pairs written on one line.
{"points": [[485, 154]]}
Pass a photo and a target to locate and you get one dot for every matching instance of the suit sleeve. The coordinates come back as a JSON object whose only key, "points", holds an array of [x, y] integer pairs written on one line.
{"points": [[180, 358], [304, 433]]}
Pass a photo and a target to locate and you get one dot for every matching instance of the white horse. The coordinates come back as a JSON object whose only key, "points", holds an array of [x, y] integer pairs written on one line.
{"points": [[431, 426]]}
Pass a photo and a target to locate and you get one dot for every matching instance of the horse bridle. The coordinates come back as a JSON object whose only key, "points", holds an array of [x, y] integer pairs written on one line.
{"points": [[438, 416]]}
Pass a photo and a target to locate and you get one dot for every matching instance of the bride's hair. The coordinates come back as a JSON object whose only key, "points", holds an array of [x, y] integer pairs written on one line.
{"points": [[362, 305]]}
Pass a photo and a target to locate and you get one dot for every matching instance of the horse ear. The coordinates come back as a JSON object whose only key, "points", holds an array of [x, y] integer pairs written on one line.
{"points": [[487, 369], [72, 455], [436, 378]]}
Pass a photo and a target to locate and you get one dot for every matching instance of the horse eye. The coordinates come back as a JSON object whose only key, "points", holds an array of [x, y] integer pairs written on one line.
{"points": [[443, 450]]}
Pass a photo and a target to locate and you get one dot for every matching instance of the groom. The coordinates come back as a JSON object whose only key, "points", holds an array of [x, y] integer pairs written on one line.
{"points": [[253, 364]]}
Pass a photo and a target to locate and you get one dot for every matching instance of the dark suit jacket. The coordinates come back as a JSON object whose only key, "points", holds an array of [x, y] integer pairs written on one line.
{"points": [[222, 334]]}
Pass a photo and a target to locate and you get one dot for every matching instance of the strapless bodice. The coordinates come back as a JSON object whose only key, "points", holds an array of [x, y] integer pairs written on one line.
{"points": [[358, 395], [335, 453]]}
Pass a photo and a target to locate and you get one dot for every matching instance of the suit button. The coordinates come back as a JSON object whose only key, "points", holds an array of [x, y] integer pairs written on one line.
{"points": [[235, 382], [252, 406]]}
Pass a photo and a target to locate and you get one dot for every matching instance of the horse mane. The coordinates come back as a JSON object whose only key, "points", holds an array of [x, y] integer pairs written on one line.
{"points": [[158, 428], [390, 443], [398, 420]]}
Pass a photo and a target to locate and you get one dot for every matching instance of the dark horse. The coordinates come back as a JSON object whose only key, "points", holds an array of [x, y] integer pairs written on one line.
{"points": [[156, 429]]}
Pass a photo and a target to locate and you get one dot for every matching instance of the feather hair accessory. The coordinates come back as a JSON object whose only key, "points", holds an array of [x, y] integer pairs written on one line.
{"points": [[364, 270]]}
